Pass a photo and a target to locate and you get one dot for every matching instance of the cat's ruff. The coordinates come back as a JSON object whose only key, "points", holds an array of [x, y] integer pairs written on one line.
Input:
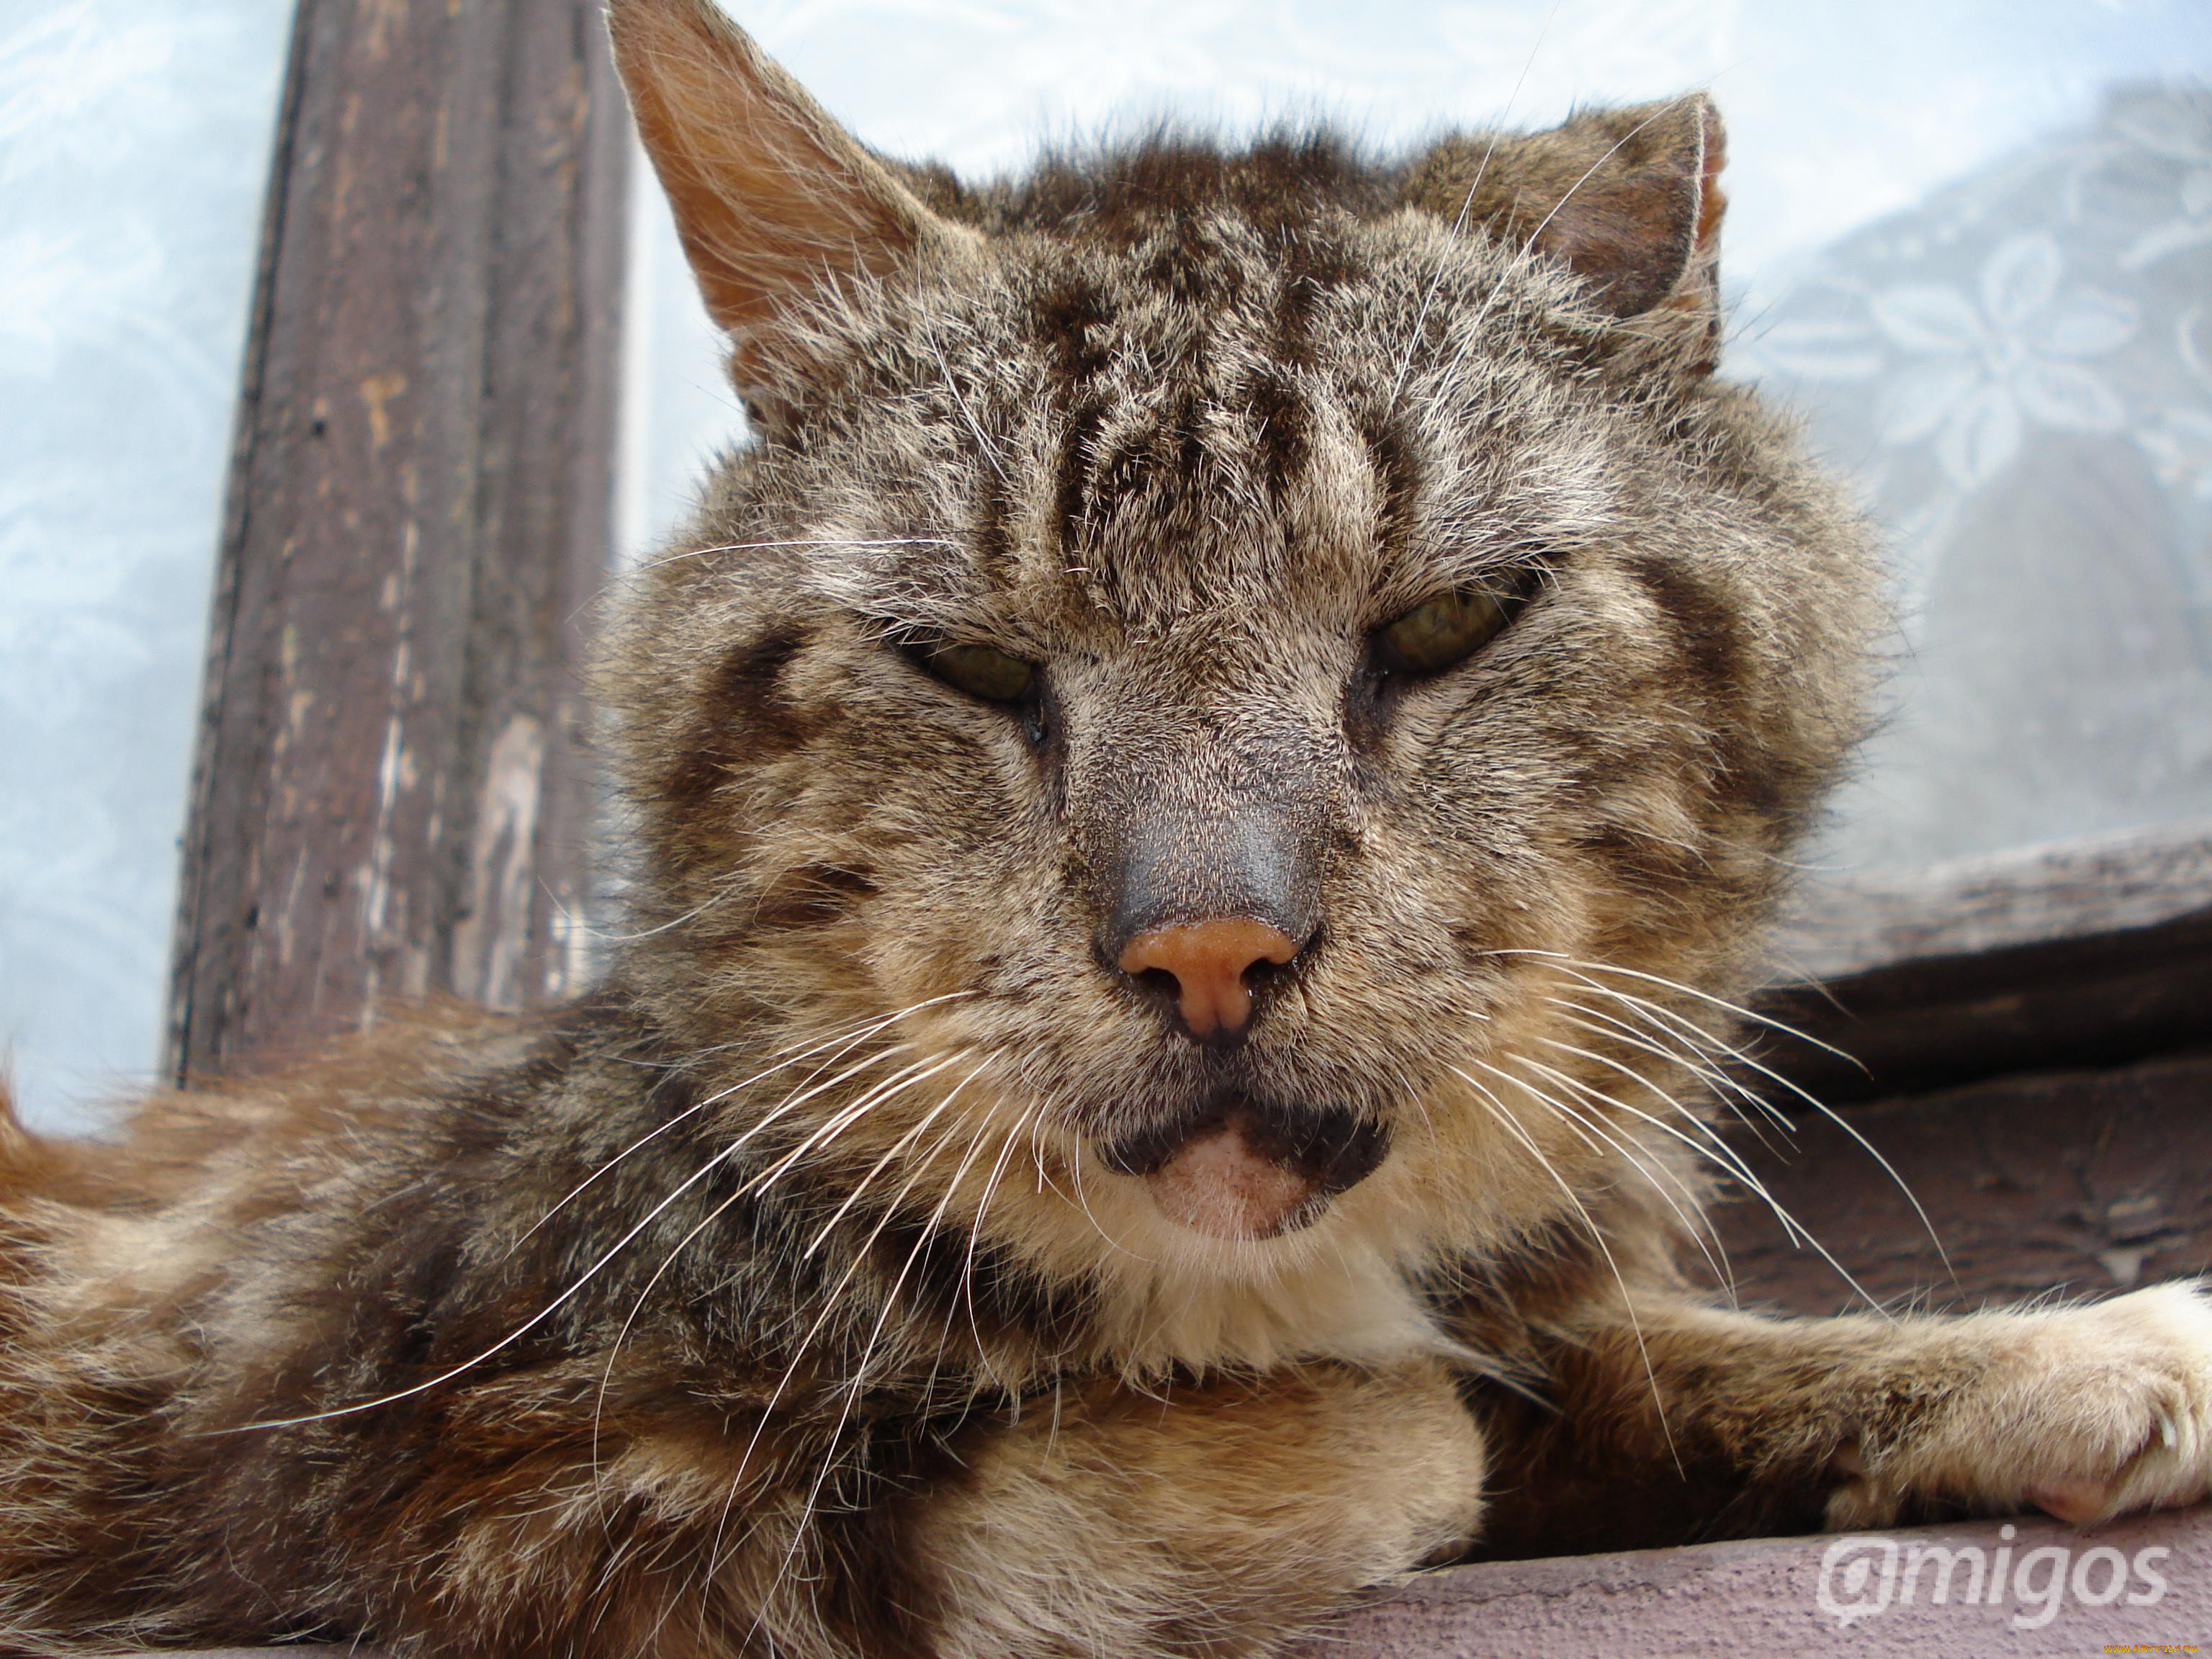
{"points": [[1203, 792]]}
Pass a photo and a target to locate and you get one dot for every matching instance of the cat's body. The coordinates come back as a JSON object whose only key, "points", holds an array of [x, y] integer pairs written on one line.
{"points": [[1196, 790]]}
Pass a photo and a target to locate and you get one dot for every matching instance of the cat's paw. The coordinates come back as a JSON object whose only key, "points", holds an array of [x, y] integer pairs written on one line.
{"points": [[2085, 1412]]}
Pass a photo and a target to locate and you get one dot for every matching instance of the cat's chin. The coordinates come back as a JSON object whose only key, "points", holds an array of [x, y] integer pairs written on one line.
{"points": [[1243, 1169]]}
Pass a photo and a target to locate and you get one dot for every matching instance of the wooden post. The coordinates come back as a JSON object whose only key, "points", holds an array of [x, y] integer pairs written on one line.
{"points": [[392, 794]]}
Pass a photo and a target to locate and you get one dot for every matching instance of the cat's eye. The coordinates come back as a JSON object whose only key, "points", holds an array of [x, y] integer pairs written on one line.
{"points": [[982, 672], [1439, 632]]}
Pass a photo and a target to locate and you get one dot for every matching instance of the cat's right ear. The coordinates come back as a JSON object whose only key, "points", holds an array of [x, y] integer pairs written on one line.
{"points": [[775, 201]]}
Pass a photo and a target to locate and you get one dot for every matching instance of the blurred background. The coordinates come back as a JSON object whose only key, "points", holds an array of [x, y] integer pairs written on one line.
{"points": [[1973, 242]]}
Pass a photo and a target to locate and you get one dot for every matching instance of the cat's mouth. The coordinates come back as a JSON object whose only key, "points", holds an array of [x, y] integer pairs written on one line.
{"points": [[1241, 1169]]}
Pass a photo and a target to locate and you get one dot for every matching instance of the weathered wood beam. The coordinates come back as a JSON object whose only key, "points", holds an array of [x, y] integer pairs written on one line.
{"points": [[391, 795], [2089, 952], [2044, 894]]}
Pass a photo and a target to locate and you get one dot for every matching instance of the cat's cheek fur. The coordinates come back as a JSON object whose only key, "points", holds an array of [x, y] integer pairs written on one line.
{"points": [[1204, 1520]]}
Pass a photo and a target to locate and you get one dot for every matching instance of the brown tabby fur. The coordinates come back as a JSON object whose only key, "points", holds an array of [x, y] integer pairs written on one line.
{"points": [[777, 1298]]}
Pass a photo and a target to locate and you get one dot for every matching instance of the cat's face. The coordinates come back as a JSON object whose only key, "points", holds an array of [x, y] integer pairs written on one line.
{"points": [[1247, 660]]}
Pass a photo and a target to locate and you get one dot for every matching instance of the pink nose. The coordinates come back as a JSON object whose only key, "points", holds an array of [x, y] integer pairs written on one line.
{"points": [[1208, 961]]}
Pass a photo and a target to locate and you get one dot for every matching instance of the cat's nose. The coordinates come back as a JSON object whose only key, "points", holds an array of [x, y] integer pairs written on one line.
{"points": [[1213, 964]]}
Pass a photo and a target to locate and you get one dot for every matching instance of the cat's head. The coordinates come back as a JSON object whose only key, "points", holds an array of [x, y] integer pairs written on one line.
{"points": [[1238, 679]]}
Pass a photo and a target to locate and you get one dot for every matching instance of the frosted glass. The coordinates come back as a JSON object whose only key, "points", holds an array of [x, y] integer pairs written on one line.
{"points": [[134, 140]]}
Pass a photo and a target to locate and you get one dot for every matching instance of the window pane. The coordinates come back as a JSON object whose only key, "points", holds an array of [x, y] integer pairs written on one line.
{"points": [[134, 139]]}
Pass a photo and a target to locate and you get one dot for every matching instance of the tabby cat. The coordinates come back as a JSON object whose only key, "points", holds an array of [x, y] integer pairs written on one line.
{"points": [[1200, 789]]}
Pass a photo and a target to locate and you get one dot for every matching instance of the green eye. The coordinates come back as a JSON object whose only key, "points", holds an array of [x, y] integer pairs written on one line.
{"points": [[982, 672], [1432, 636]]}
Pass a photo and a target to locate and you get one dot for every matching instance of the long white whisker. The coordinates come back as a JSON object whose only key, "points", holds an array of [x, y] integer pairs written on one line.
{"points": [[1699, 1229], [858, 1381], [1721, 1003], [847, 1036], [1527, 250], [967, 413], [800, 541], [831, 1303], [897, 1148], [750, 1187], [844, 1117], [576, 1287], [1717, 1151], [1730, 1091], [1628, 1304], [1744, 1057]]}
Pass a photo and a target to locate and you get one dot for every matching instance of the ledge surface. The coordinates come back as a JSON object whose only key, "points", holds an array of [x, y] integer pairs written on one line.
{"points": [[1764, 1597]]}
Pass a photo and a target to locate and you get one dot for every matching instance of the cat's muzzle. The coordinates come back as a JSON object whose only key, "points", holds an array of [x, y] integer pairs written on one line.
{"points": [[1241, 1169]]}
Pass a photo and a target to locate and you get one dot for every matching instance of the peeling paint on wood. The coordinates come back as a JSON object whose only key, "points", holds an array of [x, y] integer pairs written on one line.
{"points": [[494, 924]]}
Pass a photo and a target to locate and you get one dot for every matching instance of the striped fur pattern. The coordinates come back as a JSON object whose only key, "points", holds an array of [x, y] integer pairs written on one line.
{"points": [[786, 1296]]}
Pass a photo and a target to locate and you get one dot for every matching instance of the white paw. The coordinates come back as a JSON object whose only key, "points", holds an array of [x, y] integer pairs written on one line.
{"points": [[2085, 1412], [2146, 1442]]}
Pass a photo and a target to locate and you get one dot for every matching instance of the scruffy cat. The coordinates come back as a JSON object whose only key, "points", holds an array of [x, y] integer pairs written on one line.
{"points": [[1197, 787]]}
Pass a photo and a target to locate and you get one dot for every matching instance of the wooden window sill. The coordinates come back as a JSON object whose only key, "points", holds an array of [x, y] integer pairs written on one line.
{"points": [[1762, 1597]]}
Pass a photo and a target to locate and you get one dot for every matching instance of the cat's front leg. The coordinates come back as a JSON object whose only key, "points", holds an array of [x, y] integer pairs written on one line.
{"points": [[1721, 1422], [1209, 1519], [2087, 1413]]}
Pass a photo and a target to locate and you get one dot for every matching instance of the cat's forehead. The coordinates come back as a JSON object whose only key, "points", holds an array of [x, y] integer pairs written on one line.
{"points": [[1216, 412]]}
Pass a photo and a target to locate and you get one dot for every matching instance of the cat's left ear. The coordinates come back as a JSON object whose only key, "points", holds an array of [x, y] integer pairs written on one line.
{"points": [[1628, 199]]}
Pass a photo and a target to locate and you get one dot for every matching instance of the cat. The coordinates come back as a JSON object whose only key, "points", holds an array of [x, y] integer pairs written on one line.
{"points": [[1202, 789]]}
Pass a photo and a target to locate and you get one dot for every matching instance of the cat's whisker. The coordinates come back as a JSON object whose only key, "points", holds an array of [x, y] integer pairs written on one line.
{"points": [[1082, 1203], [1466, 206], [845, 1036], [1674, 1026], [1727, 1093], [1745, 1058], [1697, 1122], [752, 1187], [1507, 1120], [852, 1386], [1720, 1154], [1792, 1228], [606, 937], [1528, 252], [858, 543], [1735, 1009], [576, 1286], [1664, 1044], [1718, 1151], [895, 1150], [975, 1238], [831, 1305], [989, 450], [1699, 1229], [844, 1117]]}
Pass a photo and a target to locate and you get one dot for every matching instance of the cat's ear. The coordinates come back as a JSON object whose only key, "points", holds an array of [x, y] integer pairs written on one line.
{"points": [[775, 201], [1628, 199]]}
